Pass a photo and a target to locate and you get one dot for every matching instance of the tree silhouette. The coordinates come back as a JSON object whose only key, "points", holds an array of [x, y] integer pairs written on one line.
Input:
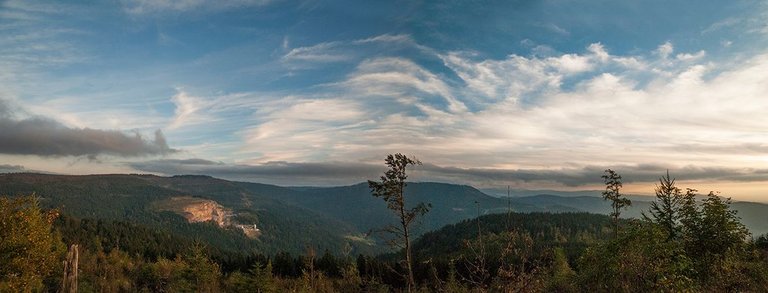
{"points": [[612, 192], [665, 211], [392, 190]]}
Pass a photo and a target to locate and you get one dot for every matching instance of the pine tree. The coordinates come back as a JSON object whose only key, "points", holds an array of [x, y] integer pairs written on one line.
{"points": [[665, 211]]}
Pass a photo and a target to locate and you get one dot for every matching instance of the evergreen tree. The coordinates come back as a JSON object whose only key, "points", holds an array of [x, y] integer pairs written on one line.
{"points": [[201, 272], [665, 211], [262, 280]]}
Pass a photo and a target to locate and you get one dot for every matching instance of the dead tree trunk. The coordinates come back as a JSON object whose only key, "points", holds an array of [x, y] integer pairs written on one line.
{"points": [[69, 282]]}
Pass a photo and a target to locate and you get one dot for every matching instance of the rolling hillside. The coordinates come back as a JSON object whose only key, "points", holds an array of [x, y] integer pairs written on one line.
{"points": [[288, 219], [131, 198], [355, 205]]}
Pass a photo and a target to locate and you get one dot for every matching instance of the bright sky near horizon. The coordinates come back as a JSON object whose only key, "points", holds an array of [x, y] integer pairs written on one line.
{"points": [[533, 94]]}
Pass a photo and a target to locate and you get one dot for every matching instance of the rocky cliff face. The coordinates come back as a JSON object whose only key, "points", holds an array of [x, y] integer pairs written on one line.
{"points": [[197, 209], [207, 211], [202, 210]]}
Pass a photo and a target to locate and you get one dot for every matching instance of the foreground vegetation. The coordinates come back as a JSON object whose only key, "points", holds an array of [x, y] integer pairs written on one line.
{"points": [[684, 243]]}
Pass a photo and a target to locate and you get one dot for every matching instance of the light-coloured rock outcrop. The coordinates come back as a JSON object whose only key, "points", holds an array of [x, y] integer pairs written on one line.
{"points": [[207, 211], [202, 210]]}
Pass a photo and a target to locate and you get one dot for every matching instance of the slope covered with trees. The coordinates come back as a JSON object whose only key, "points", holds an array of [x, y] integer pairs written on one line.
{"points": [[130, 198], [684, 242], [334, 218]]}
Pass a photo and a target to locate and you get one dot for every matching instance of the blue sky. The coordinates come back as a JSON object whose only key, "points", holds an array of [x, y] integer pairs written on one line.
{"points": [[533, 94]]}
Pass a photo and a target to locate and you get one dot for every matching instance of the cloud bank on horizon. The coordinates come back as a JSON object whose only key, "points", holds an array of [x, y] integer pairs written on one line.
{"points": [[536, 94]]}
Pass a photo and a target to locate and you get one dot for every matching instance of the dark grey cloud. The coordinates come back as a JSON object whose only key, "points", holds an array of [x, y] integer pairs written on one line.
{"points": [[5, 109], [591, 174], [45, 137], [327, 173], [5, 168], [330, 173]]}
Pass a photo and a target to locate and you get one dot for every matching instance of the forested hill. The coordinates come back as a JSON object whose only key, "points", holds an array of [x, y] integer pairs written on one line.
{"points": [[572, 232], [753, 215], [288, 219], [146, 232], [450, 203], [171, 203]]}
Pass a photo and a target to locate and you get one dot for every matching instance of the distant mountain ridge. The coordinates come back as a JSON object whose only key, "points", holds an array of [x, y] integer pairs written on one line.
{"points": [[290, 218]]}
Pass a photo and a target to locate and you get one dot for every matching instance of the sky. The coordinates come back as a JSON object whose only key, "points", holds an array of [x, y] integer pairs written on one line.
{"points": [[532, 94]]}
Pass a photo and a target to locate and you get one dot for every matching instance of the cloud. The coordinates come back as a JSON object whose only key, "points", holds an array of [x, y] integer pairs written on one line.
{"points": [[346, 51], [188, 110], [690, 57], [138, 7], [323, 52], [328, 173], [305, 128], [665, 50], [44, 137], [725, 23], [5, 168], [402, 79], [556, 29], [515, 77], [590, 175], [525, 112], [32, 42], [278, 172]]}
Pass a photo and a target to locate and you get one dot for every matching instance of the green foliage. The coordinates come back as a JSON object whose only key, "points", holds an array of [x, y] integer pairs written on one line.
{"points": [[129, 199], [573, 232], [639, 260], [107, 272], [561, 276], [682, 246], [665, 210], [258, 279], [29, 251], [201, 272], [350, 280], [108, 235], [714, 239]]}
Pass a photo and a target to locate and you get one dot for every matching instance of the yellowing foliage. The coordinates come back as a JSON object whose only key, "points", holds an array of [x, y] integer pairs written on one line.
{"points": [[29, 252]]}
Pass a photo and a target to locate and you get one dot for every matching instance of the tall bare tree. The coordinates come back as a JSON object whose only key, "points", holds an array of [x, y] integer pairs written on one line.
{"points": [[392, 190], [613, 193]]}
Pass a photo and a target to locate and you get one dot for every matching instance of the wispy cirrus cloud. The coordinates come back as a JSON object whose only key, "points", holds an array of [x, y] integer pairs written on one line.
{"points": [[30, 42], [188, 110], [141, 7], [347, 51], [579, 109]]}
